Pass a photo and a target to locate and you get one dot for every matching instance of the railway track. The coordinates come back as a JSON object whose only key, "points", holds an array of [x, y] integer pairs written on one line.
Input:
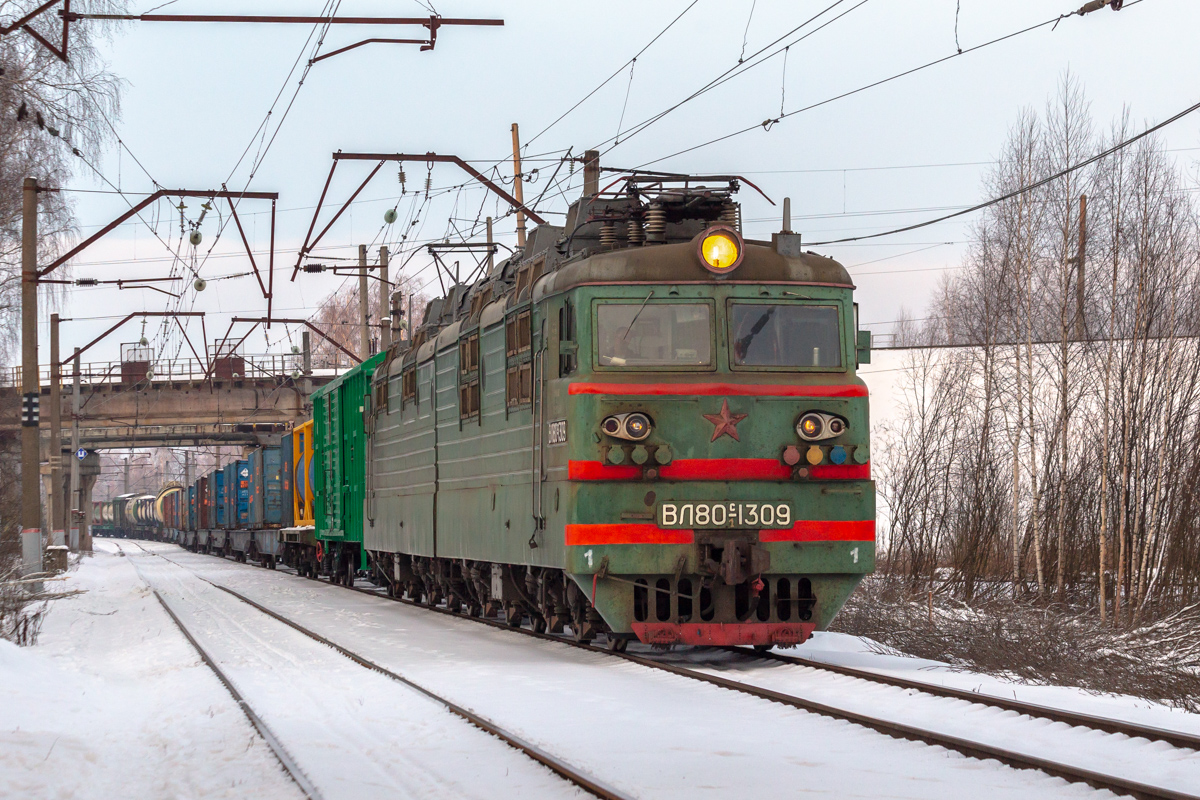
{"points": [[285, 760], [967, 747], [560, 767], [1018, 760], [1075, 719]]}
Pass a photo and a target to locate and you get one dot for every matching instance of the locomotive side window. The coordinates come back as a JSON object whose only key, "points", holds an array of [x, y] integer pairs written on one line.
{"points": [[518, 337], [778, 335], [409, 385], [567, 359], [468, 377], [393, 394], [654, 334]]}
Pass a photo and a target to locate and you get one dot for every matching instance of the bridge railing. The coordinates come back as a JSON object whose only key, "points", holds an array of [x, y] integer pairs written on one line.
{"points": [[251, 367]]}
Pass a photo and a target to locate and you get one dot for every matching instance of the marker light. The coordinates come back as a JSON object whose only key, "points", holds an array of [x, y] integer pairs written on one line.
{"points": [[816, 425], [637, 427], [811, 426], [633, 427], [720, 250]]}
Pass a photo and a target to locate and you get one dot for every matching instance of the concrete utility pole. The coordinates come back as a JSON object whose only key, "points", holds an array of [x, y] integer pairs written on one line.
{"points": [[385, 328], [491, 257], [76, 502], [126, 476], [31, 507], [518, 189], [1080, 328], [364, 306], [57, 517]]}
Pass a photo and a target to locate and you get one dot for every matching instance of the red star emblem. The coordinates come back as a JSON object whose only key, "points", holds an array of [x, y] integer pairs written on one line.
{"points": [[725, 422]]}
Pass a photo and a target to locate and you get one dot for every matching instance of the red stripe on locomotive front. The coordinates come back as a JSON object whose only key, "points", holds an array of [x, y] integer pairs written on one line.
{"points": [[625, 533], [715, 469], [810, 530], [710, 389]]}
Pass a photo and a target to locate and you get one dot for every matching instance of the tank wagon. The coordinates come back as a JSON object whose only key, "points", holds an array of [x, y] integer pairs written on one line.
{"points": [[127, 516], [641, 425]]}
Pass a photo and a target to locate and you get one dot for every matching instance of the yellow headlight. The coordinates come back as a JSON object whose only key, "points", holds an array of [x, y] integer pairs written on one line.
{"points": [[719, 251]]}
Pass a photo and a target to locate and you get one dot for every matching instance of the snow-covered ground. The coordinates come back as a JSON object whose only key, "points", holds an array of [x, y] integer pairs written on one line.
{"points": [[113, 702]]}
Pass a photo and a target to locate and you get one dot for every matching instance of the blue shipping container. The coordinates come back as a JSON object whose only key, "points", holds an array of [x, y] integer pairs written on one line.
{"points": [[216, 490], [242, 499], [191, 508], [266, 485]]}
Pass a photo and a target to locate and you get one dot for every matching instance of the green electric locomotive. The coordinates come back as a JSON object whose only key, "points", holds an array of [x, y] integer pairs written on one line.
{"points": [[640, 425]]}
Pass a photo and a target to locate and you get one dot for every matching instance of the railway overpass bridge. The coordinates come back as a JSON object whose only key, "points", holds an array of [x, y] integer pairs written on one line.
{"points": [[248, 400]]}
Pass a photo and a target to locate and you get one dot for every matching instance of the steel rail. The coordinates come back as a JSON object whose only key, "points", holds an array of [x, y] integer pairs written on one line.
{"points": [[281, 755], [1074, 718], [573, 775], [896, 730]]}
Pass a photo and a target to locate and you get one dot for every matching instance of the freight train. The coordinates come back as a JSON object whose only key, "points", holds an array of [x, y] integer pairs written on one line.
{"points": [[128, 516], [640, 425]]}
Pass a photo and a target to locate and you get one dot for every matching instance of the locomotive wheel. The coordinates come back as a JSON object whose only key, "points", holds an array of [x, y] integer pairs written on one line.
{"points": [[762, 648], [581, 629], [539, 624], [514, 615], [617, 644]]}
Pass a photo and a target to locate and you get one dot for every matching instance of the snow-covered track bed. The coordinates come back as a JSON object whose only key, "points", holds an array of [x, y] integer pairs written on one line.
{"points": [[1019, 735], [340, 725], [667, 729]]}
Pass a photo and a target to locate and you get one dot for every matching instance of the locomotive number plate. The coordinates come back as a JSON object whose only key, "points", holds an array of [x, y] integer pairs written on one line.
{"points": [[724, 515]]}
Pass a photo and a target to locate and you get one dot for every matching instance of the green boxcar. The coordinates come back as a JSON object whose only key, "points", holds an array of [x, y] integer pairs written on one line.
{"points": [[340, 445]]}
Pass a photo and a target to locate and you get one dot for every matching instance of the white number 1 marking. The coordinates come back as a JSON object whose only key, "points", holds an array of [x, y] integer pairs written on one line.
{"points": [[588, 556], [853, 553]]}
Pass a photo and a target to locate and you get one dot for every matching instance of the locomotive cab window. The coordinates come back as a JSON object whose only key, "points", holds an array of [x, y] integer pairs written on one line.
{"points": [[654, 334], [783, 336]]}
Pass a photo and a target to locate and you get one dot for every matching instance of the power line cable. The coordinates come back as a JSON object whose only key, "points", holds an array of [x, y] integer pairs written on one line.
{"points": [[1023, 189]]}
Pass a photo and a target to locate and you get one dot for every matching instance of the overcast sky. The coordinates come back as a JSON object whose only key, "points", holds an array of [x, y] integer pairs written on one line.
{"points": [[197, 94]]}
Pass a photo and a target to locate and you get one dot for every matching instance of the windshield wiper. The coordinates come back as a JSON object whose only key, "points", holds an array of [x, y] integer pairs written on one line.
{"points": [[635, 316], [743, 344]]}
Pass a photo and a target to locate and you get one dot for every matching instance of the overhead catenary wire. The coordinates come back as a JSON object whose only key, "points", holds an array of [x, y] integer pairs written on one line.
{"points": [[768, 123], [615, 73], [737, 70]]}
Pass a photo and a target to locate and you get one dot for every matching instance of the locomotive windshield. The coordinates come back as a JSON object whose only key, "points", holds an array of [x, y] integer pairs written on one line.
{"points": [[645, 334], [771, 335]]}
